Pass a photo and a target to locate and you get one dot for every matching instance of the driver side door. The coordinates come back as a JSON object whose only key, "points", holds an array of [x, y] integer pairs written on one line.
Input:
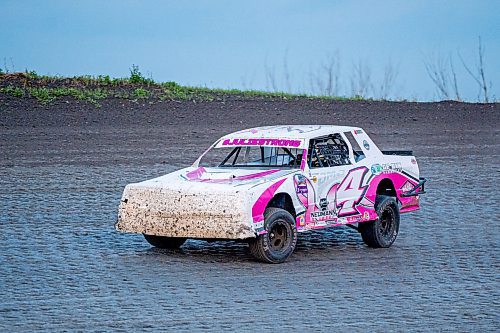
{"points": [[335, 181]]}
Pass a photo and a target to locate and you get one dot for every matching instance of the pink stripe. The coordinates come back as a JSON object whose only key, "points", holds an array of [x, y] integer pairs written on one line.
{"points": [[260, 205], [196, 175], [256, 175], [304, 158]]}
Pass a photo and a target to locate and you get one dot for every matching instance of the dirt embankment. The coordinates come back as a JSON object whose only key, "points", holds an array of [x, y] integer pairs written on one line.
{"points": [[23, 105], [176, 129]]}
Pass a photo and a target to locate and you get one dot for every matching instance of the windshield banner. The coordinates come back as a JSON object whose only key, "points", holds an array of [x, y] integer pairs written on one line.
{"points": [[272, 142]]}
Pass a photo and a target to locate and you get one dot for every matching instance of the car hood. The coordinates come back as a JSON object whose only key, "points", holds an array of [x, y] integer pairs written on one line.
{"points": [[215, 178]]}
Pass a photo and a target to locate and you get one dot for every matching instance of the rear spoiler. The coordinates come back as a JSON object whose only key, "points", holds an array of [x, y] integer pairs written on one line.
{"points": [[391, 152], [398, 152]]}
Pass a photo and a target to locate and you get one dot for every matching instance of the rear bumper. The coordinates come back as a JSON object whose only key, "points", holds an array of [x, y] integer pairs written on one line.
{"points": [[174, 213], [417, 189]]}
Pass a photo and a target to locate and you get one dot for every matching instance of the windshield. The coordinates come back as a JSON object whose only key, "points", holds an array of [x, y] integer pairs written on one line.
{"points": [[253, 156]]}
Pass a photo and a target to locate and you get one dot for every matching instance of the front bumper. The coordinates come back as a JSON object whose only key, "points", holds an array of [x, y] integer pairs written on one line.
{"points": [[179, 213]]}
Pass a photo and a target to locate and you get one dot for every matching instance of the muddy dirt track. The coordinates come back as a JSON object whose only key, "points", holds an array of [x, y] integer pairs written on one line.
{"points": [[63, 267]]}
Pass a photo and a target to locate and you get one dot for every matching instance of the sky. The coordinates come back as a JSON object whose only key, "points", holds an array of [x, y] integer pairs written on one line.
{"points": [[261, 45]]}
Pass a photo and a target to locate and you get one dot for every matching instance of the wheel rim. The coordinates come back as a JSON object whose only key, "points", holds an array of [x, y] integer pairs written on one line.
{"points": [[386, 224], [279, 236]]}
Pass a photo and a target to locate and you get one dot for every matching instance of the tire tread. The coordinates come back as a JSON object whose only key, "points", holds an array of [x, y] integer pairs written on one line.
{"points": [[368, 230], [255, 246]]}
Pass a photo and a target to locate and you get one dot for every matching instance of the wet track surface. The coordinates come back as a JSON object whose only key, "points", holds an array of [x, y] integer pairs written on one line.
{"points": [[64, 267]]}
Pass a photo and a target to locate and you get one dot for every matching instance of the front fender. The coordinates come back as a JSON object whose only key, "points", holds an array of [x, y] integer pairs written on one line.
{"points": [[262, 201]]}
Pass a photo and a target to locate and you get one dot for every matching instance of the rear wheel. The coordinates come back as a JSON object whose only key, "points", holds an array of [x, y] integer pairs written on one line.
{"points": [[279, 242], [163, 242], [383, 231]]}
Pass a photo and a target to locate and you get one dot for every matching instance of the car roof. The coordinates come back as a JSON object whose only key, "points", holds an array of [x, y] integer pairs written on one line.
{"points": [[290, 131]]}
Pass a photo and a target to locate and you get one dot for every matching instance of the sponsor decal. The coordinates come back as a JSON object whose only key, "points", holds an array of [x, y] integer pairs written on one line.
{"points": [[392, 167], [366, 216], [323, 213], [302, 221], [366, 145], [342, 220], [262, 142], [301, 184], [315, 179], [358, 132], [407, 187], [323, 203], [323, 216], [377, 169], [354, 219], [258, 225]]}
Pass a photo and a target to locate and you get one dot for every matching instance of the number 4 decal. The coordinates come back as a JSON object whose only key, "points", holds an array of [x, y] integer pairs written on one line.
{"points": [[350, 192]]}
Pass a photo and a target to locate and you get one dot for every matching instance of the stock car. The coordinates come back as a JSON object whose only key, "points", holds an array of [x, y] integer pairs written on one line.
{"points": [[265, 185]]}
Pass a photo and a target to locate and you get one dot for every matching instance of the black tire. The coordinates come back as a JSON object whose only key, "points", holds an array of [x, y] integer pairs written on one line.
{"points": [[279, 242], [163, 242], [383, 231]]}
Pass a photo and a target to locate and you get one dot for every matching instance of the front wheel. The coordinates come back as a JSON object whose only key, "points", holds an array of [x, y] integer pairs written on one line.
{"points": [[279, 242], [163, 242], [383, 231]]}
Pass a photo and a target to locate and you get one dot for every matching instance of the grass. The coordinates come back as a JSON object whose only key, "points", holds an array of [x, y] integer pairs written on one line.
{"points": [[47, 95], [46, 89], [137, 77], [141, 93], [14, 91]]}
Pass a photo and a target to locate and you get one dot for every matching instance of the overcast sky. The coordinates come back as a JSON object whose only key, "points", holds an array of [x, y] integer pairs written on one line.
{"points": [[256, 44]]}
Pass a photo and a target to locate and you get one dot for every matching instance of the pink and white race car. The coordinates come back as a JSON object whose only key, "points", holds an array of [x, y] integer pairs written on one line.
{"points": [[267, 184]]}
